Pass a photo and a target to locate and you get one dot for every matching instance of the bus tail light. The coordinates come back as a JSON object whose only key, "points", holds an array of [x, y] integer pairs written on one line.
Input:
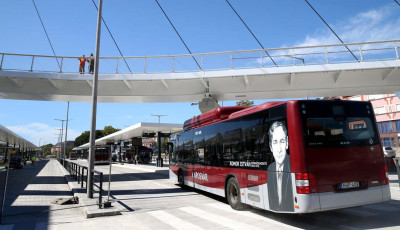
{"points": [[306, 183], [384, 175]]}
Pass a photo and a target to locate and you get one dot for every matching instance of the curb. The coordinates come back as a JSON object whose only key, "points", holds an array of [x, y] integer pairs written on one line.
{"points": [[162, 170], [90, 206]]}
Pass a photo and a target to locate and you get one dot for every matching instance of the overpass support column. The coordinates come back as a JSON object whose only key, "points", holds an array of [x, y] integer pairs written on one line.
{"points": [[92, 138], [159, 158]]}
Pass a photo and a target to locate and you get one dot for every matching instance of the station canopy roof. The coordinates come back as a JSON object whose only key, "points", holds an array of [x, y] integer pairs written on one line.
{"points": [[8, 136], [137, 130]]}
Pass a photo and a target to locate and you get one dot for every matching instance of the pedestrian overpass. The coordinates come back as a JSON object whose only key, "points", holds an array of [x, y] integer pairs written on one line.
{"points": [[290, 72]]}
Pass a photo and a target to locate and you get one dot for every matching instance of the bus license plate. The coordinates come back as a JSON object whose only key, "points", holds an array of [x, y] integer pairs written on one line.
{"points": [[348, 185]]}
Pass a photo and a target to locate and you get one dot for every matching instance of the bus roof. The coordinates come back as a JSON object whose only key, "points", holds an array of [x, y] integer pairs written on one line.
{"points": [[226, 113]]}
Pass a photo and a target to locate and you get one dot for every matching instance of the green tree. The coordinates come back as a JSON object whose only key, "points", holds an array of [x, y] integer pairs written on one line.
{"points": [[85, 136], [245, 103], [109, 130], [46, 149]]}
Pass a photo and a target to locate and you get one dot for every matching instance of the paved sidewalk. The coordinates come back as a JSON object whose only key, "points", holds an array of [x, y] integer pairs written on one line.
{"points": [[394, 186], [144, 167], [30, 192], [90, 207]]}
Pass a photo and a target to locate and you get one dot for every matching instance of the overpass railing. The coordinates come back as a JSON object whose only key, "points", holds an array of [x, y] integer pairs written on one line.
{"points": [[261, 58]]}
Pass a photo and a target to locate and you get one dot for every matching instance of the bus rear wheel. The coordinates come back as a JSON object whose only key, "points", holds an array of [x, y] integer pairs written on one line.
{"points": [[233, 194]]}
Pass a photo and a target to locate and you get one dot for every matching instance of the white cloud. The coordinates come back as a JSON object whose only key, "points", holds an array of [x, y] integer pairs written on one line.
{"points": [[374, 25], [34, 132]]}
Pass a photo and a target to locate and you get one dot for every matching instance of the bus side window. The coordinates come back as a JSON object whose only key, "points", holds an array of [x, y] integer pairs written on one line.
{"points": [[211, 150], [179, 149], [199, 147], [172, 153]]}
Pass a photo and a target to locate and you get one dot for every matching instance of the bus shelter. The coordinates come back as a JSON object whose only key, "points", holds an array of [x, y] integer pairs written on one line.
{"points": [[137, 131], [9, 139]]}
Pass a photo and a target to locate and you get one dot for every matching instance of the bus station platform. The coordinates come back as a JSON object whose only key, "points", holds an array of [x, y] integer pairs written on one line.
{"points": [[32, 190]]}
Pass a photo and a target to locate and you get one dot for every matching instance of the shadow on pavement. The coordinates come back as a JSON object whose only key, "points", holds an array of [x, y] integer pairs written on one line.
{"points": [[29, 194], [147, 191]]}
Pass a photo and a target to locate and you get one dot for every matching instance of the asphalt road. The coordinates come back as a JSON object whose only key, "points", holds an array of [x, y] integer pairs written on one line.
{"points": [[152, 201]]}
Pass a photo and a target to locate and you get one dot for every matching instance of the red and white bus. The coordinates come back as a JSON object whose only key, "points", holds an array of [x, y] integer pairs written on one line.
{"points": [[292, 157], [102, 154]]}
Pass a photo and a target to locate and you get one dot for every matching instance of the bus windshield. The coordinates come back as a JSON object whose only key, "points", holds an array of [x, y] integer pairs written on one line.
{"points": [[339, 125]]}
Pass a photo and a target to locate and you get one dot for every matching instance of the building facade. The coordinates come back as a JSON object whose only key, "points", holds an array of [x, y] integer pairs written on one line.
{"points": [[387, 112], [59, 146]]}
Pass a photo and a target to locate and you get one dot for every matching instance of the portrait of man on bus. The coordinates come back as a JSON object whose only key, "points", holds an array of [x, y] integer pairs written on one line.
{"points": [[280, 194]]}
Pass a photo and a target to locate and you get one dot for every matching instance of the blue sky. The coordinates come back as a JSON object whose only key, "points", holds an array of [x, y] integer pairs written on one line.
{"points": [[140, 28]]}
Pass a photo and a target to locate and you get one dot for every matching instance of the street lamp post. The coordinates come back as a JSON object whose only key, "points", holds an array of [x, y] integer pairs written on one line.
{"points": [[66, 131], [158, 115], [62, 134], [59, 142], [39, 145]]}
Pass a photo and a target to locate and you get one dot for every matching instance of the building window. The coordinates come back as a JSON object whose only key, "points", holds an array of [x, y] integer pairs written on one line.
{"points": [[393, 143], [384, 128], [398, 126], [386, 142], [390, 124]]}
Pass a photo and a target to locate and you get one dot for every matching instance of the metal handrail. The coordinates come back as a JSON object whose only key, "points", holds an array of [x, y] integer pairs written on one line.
{"points": [[100, 186], [77, 172], [288, 53]]}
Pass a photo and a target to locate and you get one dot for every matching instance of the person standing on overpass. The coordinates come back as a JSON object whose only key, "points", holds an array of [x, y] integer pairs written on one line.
{"points": [[82, 61], [91, 63]]}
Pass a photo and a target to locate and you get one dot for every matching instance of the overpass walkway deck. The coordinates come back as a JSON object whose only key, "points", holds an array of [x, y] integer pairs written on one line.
{"points": [[309, 71]]}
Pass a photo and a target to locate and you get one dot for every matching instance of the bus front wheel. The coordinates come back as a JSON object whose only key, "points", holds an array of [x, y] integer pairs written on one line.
{"points": [[233, 194]]}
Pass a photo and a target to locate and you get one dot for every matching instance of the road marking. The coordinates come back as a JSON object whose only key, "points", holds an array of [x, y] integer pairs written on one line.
{"points": [[163, 185], [227, 208], [226, 222], [173, 220]]}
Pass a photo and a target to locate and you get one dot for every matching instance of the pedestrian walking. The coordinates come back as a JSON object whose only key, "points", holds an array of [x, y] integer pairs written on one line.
{"points": [[136, 160], [91, 63], [82, 62], [33, 160]]}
